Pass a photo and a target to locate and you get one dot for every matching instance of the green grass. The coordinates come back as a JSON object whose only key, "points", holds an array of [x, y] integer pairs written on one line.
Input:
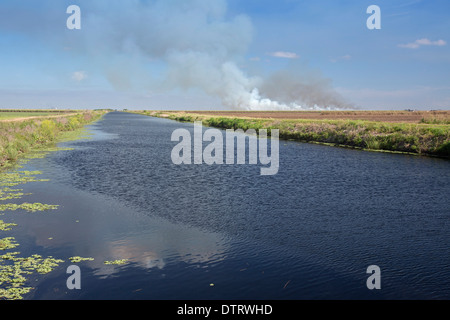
{"points": [[12, 115], [432, 139], [40, 137], [22, 137]]}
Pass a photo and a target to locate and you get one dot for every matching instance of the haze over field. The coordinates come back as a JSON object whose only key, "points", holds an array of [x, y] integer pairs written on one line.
{"points": [[202, 54]]}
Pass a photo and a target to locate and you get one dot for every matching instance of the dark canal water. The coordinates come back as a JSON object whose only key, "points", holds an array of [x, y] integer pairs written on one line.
{"points": [[225, 231]]}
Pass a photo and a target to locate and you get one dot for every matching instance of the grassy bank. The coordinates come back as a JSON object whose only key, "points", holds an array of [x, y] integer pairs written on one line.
{"points": [[21, 141], [426, 137], [14, 115], [18, 138]]}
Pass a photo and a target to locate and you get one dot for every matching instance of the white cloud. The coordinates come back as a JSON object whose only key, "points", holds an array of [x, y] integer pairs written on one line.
{"points": [[423, 42], [407, 4], [284, 54], [343, 58], [79, 76]]}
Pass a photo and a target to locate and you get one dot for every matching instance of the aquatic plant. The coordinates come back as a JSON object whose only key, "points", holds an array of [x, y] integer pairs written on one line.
{"points": [[14, 178], [33, 141], [117, 262], [8, 243], [13, 269], [6, 226], [30, 207], [9, 194], [79, 259], [11, 179]]}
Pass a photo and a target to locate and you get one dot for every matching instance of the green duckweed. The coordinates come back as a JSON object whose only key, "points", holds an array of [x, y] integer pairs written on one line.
{"points": [[11, 179], [8, 243], [79, 259], [6, 226], [13, 270], [9, 194], [117, 262], [14, 293], [30, 207]]}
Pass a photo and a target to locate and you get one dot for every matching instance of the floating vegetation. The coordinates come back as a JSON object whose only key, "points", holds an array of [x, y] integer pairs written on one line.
{"points": [[11, 179], [14, 293], [13, 269], [8, 194], [30, 207], [43, 136], [36, 155], [117, 262], [43, 152], [79, 259], [30, 173], [6, 226], [8, 243]]}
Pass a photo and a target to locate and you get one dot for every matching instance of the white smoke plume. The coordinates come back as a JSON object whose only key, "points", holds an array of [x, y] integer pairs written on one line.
{"points": [[165, 45]]}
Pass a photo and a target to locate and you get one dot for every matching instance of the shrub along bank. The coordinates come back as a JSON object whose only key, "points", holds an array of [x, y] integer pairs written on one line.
{"points": [[415, 138], [20, 137]]}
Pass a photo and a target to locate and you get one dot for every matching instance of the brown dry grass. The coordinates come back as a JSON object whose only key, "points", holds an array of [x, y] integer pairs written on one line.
{"points": [[18, 119], [382, 116], [420, 132]]}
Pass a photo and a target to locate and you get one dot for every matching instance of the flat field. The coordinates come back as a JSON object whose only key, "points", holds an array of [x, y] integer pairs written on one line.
{"points": [[414, 132], [16, 115], [382, 116], [19, 115]]}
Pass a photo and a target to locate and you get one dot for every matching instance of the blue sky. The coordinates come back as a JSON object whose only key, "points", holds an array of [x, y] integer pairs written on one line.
{"points": [[179, 54]]}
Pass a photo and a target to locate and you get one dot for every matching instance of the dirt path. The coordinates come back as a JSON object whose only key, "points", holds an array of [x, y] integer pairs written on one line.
{"points": [[37, 117]]}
